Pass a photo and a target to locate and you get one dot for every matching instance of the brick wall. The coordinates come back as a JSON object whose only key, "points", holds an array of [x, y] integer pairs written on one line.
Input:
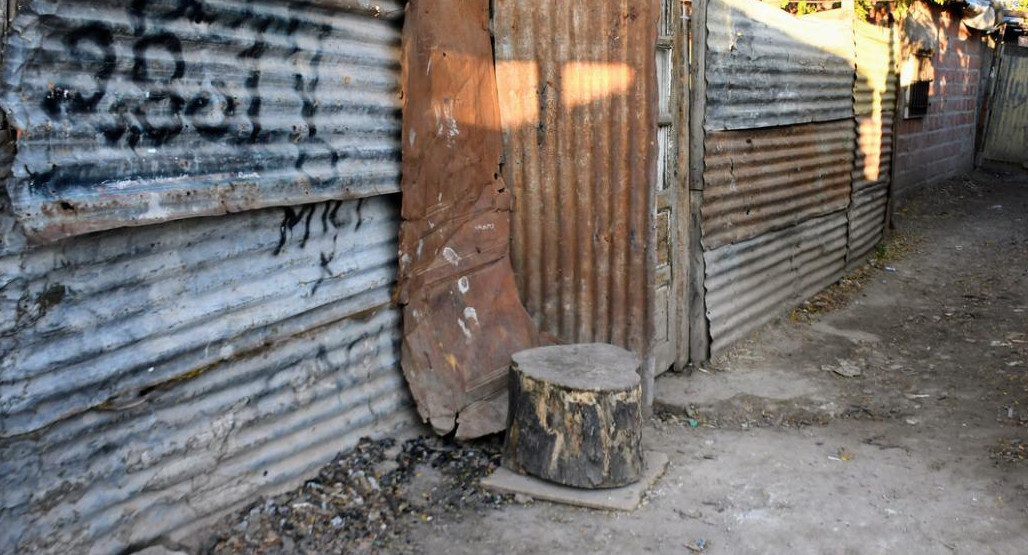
{"points": [[941, 144]]}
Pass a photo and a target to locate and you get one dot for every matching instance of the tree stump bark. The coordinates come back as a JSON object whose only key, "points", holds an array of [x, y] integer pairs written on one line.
{"points": [[575, 415]]}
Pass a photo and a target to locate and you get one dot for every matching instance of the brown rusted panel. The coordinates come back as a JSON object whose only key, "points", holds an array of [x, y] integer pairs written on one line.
{"points": [[462, 314], [759, 180], [577, 86]]}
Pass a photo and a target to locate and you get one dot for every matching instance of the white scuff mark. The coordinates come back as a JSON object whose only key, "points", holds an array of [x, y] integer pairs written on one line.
{"points": [[428, 68], [154, 210], [413, 134], [463, 285], [251, 175], [451, 256], [471, 315], [421, 245], [446, 124], [464, 328], [485, 227]]}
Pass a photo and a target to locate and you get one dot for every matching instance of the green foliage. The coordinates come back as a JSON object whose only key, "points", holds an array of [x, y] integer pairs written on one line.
{"points": [[866, 8], [803, 7]]}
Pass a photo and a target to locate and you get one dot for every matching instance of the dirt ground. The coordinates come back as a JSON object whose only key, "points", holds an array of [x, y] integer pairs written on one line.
{"points": [[888, 415]]}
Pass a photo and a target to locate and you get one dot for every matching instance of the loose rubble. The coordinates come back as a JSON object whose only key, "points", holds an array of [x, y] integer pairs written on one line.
{"points": [[366, 500]]}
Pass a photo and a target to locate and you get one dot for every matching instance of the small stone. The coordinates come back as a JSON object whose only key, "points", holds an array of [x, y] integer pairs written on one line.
{"points": [[523, 499], [845, 368], [691, 513]]}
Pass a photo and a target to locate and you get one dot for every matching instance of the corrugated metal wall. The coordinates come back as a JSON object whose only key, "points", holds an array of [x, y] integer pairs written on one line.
{"points": [[760, 180], [154, 376], [766, 67], [750, 282], [1006, 138], [778, 160], [874, 96], [578, 100], [135, 112]]}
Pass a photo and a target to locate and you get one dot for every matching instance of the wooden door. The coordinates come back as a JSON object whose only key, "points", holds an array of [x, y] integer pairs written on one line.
{"points": [[671, 189]]}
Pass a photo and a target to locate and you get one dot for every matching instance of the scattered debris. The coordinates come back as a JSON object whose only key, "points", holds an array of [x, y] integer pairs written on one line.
{"points": [[697, 546], [694, 514], [842, 292], [844, 368], [1010, 451], [365, 499]]}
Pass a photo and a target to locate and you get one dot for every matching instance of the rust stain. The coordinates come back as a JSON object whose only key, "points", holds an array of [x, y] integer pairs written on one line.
{"points": [[760, 180], [462, 314], [577, 89]]}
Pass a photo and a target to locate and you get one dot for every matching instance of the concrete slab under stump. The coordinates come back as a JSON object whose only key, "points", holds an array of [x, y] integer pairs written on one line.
{"points": [[625, 498]]}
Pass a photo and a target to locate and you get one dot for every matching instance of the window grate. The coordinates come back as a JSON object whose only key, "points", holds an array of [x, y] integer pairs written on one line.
{"points": [[917, 99]]}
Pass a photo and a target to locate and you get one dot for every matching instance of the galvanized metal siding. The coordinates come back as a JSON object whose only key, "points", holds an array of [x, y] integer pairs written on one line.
{"points": [[132, 113], [577, 88], [766, 67], [874, 96], [759, 180], [151, 377], [750, 283], [779, 155], [1007, 135]]}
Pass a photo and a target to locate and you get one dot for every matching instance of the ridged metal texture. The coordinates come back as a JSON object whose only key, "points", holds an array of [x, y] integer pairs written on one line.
{"points": [[151, 377], [766, 67], [577, 100], [759, 180], [133, 112], [750, 283], [874, 96], [778, 160], [1007, 139]]}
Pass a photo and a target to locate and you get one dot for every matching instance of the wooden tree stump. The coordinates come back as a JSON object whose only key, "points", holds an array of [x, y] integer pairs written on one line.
{"points": [[575, 415]]}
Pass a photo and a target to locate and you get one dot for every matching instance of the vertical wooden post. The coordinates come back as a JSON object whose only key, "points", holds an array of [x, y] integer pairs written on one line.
{"points": [[699, 334]]}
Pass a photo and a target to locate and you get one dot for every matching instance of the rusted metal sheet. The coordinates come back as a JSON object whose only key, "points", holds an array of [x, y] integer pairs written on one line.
{"points": [[577, 86], [874, 96], [462, 314], [766, 67], [750, 283], [152, 377], [132, 112], [760, 180], [1007, 134]]}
